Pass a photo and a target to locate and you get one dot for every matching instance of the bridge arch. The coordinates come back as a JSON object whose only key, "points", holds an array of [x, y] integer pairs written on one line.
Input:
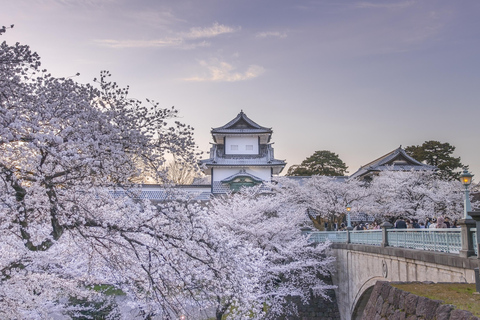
{"points": [[363, 294]]}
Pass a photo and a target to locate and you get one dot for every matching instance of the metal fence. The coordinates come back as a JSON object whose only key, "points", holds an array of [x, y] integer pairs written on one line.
{"points": [[440, 240], [332, 236], [370, 237]]}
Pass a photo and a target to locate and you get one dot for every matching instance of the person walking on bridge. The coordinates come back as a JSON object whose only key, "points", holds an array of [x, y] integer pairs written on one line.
{"points": [[400, 224], [441, 223]]}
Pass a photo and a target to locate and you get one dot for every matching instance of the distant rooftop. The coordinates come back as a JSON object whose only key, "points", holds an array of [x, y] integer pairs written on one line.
{"points": [[397, 160]]}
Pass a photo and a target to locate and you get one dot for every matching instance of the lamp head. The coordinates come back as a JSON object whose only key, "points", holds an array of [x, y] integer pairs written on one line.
{"points": [[349, 208], [466, 177]]}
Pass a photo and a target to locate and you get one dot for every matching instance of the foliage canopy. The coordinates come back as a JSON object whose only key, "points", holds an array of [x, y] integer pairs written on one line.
{"points": [[438, 154], [324, 163]]}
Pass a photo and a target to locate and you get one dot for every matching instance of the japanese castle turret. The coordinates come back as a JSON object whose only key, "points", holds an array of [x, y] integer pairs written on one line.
{"points": [[241, 155]]}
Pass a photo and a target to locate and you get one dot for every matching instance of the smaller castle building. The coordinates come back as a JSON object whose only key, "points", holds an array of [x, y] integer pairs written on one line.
{"points": [[241, 155], [396, 160]]}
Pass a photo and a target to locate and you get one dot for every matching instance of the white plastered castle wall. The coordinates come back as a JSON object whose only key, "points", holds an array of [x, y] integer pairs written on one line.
{"points": [[241, 145]]}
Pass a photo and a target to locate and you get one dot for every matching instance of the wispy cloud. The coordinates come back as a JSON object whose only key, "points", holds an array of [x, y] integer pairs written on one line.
{"points": [[183, 40], [389, 5], [167, 42], [210, 32], [267, 34], [221, 71]]}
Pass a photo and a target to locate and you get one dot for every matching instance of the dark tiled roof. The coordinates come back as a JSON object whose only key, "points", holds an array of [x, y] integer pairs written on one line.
{"points": [[219, 187], [218, 158], [158, 193], [397, 160], [243, 162], [241, 124]]}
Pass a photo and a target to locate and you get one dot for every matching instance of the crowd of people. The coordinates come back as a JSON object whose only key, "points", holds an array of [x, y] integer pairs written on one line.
{"points": [[430, 223], [360, 226], [401, 223]]}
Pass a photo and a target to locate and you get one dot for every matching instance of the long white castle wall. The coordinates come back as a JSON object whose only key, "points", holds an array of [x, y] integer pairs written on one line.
{"points": [[241, 144], [222, 173]]}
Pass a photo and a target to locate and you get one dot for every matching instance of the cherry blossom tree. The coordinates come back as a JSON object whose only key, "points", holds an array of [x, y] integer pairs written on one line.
{"points": [[76, 238], [325, 198], [65, 148], [291, 265], [415, 194]]}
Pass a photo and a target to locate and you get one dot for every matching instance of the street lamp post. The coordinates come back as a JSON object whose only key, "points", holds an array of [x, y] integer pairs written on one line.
{"points": [[466, 179], [349, 223], [467, 222]]}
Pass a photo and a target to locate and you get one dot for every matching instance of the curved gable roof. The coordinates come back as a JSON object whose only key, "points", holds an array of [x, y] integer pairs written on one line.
{"points": [[242, 173], [241, 124], [397, 159]]}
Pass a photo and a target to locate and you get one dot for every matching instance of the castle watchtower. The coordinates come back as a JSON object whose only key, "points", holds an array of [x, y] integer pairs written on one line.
{"points": [[241, 155]]}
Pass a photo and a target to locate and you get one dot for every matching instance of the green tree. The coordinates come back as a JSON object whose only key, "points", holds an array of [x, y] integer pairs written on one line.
{"points": [[324, 163], [437, 154]]}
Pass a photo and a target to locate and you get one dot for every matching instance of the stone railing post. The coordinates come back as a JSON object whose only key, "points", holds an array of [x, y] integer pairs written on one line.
{"points": [[386, 225], [348, 233], [467, 239], [476, 242]]}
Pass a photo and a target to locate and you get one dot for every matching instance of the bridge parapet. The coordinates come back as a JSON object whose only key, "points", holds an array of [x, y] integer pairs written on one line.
{"points": [[439, 240], [359, 267], [364, 257]]}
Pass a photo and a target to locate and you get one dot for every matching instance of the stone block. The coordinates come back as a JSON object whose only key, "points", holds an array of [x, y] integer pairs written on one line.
{"points": [[396, 297], [458, 314], [411, 303], [443, 312], [421, 307], [377, 288], [391, 295], [426, 308], [379, 305], [399, 315], [385, 306], [390, 311], [402, 299], [385, 289]]}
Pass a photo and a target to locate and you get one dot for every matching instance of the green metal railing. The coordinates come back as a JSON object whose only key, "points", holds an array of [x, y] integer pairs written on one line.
{"points": [[440, 240], [323, 236], [370, 237]]}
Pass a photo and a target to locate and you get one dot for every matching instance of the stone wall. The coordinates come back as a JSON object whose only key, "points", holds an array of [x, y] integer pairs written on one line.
{"points": [[387, 302]]}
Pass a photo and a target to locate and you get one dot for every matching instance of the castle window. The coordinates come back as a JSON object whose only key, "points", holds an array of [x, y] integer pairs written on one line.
{"points": [[249, 147], [234, 147]]}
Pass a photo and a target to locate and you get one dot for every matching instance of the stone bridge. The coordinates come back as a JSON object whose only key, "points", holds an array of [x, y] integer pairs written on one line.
{"points": [[359, 267], [400, 255]]}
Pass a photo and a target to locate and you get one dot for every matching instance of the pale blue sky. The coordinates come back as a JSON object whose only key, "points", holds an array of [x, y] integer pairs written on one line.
{"points": [[358, 78]]}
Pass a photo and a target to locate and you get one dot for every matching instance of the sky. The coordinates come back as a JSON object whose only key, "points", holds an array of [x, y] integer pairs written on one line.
{"points": [[358, 78]]}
